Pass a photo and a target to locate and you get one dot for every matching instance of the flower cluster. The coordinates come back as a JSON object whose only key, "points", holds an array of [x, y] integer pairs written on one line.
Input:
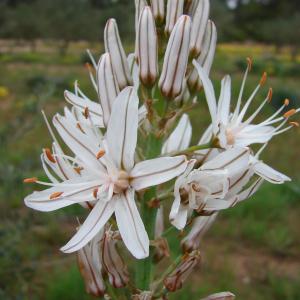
{"points": [[130, 153]]}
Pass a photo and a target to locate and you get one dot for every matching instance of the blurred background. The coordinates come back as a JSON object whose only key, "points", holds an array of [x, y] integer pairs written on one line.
{"points": [[252, 250]]}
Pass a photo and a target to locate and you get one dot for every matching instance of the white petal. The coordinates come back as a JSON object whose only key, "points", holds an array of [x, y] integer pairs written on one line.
{"points": [[221, 296], [178, 214], [209, 93], [224, 101], [94, 108], [131, 226], [156, 171], [73, 191], [251, 190], [97, 218], [122, 129], [269, 174], [180, 138]]}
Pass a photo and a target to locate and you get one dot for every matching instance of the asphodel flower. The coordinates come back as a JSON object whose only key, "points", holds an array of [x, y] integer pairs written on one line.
{"points": [[174, 12], [233, 128], [109, 176], [158, 9]]}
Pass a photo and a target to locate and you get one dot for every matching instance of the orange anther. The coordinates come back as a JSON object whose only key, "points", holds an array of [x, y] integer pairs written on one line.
{"points": [[55, 195], [263, 79], [30, 180], [100, 154], [290, 113], [286, 102], [296, 124], [95, 192], [78, 170], [79, 127], [270, 94], [86, 113], [49, 155]]}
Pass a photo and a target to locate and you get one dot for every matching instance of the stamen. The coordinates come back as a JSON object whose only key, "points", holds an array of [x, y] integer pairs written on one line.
{"points": [[289, 113], [270, 95], [250, 63], [95, 192], [79, 127], [30, 180], [88, 67], [295, 124], [55, 195], [86, 113], [100, 154], [78, 170], [286, 102], [263, 79], [49, 155]]}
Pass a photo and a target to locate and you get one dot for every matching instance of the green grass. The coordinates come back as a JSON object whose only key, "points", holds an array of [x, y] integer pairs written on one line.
{"points": [[253, 249]]}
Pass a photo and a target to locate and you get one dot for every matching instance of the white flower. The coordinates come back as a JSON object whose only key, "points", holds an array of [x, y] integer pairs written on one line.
{"points": [[109, 176], [233, 129], [211, 187]]}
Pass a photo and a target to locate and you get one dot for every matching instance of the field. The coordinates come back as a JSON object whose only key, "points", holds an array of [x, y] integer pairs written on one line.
{"points": [[252, 250]]}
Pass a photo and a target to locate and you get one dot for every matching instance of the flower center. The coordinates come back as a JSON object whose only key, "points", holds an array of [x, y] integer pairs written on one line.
{"points": [[122, 183], [230, 137]]}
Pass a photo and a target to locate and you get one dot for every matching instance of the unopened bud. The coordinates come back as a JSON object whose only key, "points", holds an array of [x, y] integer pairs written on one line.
{"points": [[90, 267], [147, 48], [113, 46], [175, 280], [206, 57], [199, 24], [200, 226], [139, 6], [108, 88], [174, 11], [112, 262], [176, 59], [221, 296], [158, 9]]}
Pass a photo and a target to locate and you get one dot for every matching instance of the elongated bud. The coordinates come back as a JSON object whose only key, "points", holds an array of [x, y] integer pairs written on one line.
{"points": [[174, 11], [113, 46], [108, 88], [158, 9], [147, 48], [206, 57], [176, 59], [200, 226], [112, 262], [145, 295], [221, 296], [200, 19], [90, 267], [175, 280], [139, 6]]}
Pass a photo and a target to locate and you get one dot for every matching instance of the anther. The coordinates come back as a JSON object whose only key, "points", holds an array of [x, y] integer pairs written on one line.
{"points": [[250, 63], [100, 154], [86, 112], [30, 180], [270, 95], [78, 170], [49, 155], [95, 192], [55, 195], [286, 102], [79, 127], [296, 124], [289, 113], [263, 79]]}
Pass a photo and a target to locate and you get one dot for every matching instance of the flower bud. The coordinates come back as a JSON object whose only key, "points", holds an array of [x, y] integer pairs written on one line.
{"points": [[200, 18], [112, 262], [158, 10], [221, 296], [174, 11], [175, 280], [176, 59], [200, 226], [113, 46], [139, 6], [108, 88], [206, 57], [147, 48], [90, 267]]}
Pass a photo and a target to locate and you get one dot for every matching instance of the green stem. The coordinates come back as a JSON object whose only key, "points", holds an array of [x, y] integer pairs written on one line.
{"points": [[191, 149]]}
